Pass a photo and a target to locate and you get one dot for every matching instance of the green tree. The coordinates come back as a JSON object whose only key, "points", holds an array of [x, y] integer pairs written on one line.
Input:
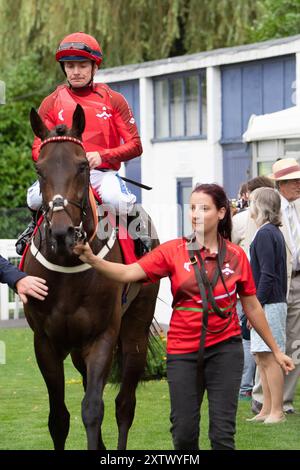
{"points": [[26, 85], [210, 24], [129, 31], [275, 19]]}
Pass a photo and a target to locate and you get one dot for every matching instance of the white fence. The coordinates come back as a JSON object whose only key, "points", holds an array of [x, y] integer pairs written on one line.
{"points": [[10, 304]]}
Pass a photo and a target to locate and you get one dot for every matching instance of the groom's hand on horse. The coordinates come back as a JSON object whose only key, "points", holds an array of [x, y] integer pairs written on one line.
{"points": [[33, 286], [94, 159], [84, 252]]}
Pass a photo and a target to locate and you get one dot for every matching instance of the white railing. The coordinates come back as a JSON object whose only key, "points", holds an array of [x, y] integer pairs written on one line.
{"points": [[10, 304]]}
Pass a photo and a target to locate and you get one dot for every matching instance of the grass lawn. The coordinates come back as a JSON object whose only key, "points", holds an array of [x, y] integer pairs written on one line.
{"points": [[24, 410]]}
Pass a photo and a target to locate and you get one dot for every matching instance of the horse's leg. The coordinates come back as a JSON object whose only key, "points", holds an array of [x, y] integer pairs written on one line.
{"points": [[134, 342], [98, 361], [133, 364], [80, 365], [52, 369]]}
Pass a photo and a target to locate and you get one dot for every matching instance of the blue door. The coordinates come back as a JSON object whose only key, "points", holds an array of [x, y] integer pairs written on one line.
{"points": [[259, 87], [131, 92]]}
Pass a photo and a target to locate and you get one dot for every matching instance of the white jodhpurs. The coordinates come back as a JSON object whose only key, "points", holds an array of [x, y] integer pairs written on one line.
{"points": [[108, 185]]}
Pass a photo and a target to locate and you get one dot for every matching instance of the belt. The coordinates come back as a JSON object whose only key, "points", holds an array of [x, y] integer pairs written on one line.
{"points": [[295, 273]]}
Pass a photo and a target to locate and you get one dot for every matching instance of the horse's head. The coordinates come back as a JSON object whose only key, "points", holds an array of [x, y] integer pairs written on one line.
{"points": [[63, 172]]}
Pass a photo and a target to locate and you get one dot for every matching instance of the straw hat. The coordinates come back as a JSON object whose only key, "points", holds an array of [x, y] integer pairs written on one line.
{"points": [[285, 169]]}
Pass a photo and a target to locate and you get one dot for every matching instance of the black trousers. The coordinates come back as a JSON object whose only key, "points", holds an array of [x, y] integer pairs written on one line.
{"points": [[223, 367]]}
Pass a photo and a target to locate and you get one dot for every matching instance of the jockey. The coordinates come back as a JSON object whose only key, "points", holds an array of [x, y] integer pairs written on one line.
{"points": [[109, 120]]}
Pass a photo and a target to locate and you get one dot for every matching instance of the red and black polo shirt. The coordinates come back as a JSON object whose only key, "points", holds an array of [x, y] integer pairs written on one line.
{"points": [[171, 259]]}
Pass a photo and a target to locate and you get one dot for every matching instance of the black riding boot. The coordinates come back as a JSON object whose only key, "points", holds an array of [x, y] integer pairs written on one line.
{"points": [[139, 227], [26, 235]]}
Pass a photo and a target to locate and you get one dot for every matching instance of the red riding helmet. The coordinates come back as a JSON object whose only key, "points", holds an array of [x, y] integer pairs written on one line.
{"points": [[79, 46]]}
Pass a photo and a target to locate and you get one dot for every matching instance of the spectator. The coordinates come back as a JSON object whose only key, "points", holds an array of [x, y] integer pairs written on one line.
{"points": [[243, 230], [286, 174], [268, 262]]}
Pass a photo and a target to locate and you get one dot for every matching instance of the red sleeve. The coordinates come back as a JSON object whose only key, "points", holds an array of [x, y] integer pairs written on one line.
{"points": [[246, 284], [46, 113], [127, 130], [158, 263]]}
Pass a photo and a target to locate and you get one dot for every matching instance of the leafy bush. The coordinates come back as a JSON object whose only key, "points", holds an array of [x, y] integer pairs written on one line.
{"points": [[26, 86], [13, 221], [156, 367]]}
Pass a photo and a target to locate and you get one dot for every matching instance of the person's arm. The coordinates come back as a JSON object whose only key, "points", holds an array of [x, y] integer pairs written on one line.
{"points": [[9, 274], [125, 124], [21, 282], [256, 317], [118, 272], [32, 286], [265, 254]]}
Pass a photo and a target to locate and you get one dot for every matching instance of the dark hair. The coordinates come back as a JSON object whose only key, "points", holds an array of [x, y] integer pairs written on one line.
{"points": [[220, 199], [260, 182], [243, 189]]}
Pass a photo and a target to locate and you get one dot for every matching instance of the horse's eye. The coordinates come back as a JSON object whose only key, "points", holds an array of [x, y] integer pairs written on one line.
{"points": [[82, 168]]}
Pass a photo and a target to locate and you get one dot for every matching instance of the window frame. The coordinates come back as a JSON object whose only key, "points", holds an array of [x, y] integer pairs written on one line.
{"points": [[184, 182], [201, 74]]}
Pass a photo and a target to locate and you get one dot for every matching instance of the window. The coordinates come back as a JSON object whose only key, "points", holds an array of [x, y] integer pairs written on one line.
{"points": [[184, 189], [180, 106]]}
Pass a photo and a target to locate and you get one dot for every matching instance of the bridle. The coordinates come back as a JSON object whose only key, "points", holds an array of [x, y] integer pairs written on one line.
{"points": [[60, 203]]}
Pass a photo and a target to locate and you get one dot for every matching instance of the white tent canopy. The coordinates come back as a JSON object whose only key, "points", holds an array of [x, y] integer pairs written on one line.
{"points": [[280, 125]]}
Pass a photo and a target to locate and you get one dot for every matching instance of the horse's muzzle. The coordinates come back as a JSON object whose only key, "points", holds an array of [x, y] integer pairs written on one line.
{"points": [[62, 240]]}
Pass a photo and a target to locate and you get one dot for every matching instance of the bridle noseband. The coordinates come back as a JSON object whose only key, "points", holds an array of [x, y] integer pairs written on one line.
{"points": [[59, 203]]}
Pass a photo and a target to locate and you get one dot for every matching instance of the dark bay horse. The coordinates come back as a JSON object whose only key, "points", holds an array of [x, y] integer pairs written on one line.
{"points": [[81, 315]]}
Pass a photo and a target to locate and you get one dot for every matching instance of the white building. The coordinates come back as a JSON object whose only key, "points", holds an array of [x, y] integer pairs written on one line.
{"points": [[192, 112]]}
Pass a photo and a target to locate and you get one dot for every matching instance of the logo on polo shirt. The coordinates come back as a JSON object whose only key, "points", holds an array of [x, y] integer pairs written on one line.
{"points": [[186, 266], [104, 115], [227, 270]]}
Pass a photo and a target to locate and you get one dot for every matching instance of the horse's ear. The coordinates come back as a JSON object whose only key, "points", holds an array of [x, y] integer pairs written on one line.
{"points": [[37, 125], [78, 123]]}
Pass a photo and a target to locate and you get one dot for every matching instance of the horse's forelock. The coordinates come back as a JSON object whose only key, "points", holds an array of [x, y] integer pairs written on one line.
{"points": [[61, 129]]}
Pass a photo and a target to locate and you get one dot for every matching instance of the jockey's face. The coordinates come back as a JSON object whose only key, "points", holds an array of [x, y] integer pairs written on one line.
{"points": [[79, 74]]}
